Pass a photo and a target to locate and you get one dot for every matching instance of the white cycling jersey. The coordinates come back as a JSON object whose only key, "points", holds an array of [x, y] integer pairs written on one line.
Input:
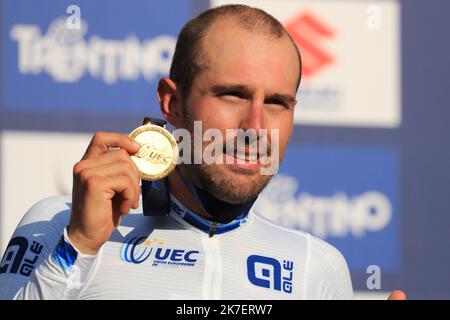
{"points": [[170, 257]]}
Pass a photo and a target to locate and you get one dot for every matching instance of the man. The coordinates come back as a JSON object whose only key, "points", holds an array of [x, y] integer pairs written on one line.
{"points": [[234, 67]]}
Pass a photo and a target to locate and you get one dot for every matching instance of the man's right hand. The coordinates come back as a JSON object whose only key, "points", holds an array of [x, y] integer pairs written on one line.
{"points": [[105, 186], [397, 295]]}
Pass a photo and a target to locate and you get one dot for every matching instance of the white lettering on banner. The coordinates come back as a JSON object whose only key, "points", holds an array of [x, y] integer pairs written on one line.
{"points": [[337, 215], [66, 56]]}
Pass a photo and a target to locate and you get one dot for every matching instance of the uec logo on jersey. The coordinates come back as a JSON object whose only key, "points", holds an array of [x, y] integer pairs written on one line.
{"points": [[139, 249], [129, 251], [269, 273]]}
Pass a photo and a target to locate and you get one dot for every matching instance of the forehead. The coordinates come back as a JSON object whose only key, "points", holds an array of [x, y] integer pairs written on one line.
{"points": [[231, 52]]}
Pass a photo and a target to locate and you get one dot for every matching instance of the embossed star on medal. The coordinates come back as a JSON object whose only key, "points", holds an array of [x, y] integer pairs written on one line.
{"points": [[158, 154]]}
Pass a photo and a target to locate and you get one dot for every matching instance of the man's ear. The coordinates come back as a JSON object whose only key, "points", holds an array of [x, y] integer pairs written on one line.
{"points": [[169, 99]]}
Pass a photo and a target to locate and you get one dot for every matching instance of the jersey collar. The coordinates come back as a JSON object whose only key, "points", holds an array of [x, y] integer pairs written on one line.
{"points": [[179, 210]]}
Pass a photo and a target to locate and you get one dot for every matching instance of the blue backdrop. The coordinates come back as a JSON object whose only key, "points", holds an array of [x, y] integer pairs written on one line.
{"points": [[410, 164]]}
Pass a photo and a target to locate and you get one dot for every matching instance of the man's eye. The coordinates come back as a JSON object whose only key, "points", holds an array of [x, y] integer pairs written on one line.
{"points": [[235, 94], [276, 102]]}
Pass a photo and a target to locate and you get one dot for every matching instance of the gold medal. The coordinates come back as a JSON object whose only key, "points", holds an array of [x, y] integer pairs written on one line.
{"points": [[158, 154]]}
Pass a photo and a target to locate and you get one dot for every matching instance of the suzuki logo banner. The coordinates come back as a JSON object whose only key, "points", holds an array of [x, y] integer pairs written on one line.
{"points": [[351, 60]]}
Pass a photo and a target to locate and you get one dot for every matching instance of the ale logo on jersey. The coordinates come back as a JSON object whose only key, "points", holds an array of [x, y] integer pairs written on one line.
{"points": [[20, 256], [137, 250], [307, 31], [269, 273]]}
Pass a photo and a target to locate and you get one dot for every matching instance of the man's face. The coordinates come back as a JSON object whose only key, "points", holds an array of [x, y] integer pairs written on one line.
{"points": [[250, 84]]}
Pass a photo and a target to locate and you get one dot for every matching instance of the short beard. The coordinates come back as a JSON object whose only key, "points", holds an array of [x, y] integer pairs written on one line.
{"points": [[223, 186], [217, 182]]}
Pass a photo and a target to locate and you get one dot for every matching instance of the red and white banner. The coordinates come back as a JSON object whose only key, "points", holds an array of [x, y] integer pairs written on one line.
{"points": [[351, 59]]}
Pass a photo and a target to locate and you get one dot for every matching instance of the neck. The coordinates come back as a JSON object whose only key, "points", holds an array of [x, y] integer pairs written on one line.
{"points": [[205, 204], [184, 195]]}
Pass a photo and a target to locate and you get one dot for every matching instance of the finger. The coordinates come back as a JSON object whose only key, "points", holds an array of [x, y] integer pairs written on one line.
{"points": [[102, 141], [397, 295], [114, 170], [121, 191], [105, 159], [117, 213]]}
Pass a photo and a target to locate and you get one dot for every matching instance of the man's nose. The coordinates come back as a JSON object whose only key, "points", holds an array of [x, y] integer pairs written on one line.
{"points": [[254, 117]]}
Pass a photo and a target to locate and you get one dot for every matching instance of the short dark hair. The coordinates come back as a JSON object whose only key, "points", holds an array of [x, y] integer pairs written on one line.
{"points": [[185, 63]]}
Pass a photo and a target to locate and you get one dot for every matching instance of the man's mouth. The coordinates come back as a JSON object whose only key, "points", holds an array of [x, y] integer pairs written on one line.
{"points": [[245, 155], [249, 160]]}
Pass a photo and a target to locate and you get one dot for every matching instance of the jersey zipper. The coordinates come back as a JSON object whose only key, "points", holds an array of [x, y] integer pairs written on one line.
{"points": [[212, 229], [213, 268]]}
